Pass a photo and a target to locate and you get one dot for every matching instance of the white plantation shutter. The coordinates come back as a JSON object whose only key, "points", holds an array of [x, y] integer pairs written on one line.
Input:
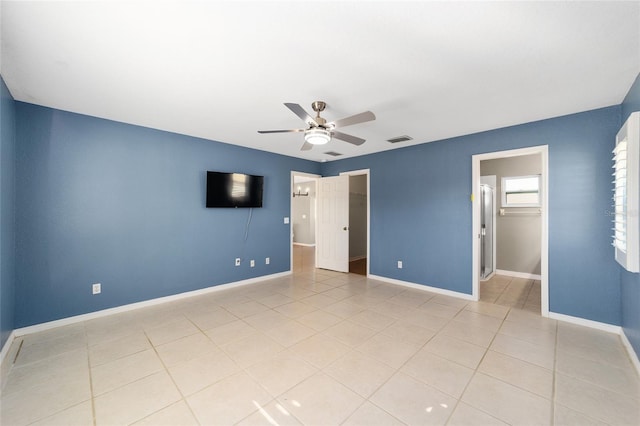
{"points": [[626, 164]]}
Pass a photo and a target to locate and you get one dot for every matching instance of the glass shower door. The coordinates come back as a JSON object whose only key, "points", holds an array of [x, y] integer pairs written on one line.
{"points": [[487, 194]]}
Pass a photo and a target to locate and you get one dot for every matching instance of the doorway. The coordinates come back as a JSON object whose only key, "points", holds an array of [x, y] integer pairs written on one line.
{"points": [[342, 221], [358, 224], [529, 266], [303, 221]]}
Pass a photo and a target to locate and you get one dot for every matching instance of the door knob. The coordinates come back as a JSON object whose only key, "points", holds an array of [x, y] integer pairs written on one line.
{"points": [[345, 229]]}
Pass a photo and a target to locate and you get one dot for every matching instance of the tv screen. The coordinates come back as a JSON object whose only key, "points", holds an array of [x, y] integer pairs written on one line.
{"points": [[234, 190]]}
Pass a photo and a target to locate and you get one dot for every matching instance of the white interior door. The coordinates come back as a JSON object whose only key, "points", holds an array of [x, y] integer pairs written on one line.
{"points": [[332, 239]]}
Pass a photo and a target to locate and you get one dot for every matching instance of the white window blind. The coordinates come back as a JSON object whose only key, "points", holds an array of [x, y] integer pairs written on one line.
{"points": [[626, 224]]}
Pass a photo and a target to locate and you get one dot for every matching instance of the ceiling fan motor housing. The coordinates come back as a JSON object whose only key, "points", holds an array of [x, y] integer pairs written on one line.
{"points": [[318, 106]]}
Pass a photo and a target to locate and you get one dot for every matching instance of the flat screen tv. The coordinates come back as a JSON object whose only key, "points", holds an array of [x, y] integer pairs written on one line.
{"points": [[234, 190]]}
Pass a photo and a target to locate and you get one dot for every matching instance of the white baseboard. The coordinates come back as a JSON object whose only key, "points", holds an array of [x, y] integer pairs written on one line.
{"points": [[133, 306], [304, 244], [152, 302], [354, 258], [423, 287], [514, 274], [491, 275], [602, 326], [616, 329], [7, 346], [630, 351]]}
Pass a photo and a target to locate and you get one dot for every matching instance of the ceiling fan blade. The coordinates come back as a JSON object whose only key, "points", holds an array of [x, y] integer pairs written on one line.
{"points": [[300, 112], [347, 138], [281, 131], [354, 119], [306, 146]]}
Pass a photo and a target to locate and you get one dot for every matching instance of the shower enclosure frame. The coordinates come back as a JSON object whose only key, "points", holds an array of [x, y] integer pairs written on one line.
{"points": [[488, 233]]}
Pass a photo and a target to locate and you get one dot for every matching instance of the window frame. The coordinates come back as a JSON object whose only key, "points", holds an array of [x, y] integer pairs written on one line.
{"points": [[503, 192]]}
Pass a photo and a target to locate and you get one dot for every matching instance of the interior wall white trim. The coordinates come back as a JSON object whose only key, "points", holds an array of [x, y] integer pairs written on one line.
{"points": [[138, 305], [518, 274], [543, 150], [304, 245], [630, 351], [7, 347], [609, 328], [423, 287]]}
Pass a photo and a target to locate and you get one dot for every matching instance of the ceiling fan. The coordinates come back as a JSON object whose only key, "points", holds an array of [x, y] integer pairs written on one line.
{"points": [[319, 131]]}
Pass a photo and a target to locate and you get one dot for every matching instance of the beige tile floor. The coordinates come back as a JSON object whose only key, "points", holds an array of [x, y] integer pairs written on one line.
{"points": [[321, 348], [513, 292]]}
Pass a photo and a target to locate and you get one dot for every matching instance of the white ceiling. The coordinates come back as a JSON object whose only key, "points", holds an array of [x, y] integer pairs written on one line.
{"points": [[222, 70]]}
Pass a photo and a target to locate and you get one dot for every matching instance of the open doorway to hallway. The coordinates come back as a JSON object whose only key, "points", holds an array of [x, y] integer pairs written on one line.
{"points": [[304, 259], [303, 221]]}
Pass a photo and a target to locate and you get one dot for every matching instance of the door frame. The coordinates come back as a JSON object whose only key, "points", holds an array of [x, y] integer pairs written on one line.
{"points": [[292, 190], [543, 150], [366, 172]]}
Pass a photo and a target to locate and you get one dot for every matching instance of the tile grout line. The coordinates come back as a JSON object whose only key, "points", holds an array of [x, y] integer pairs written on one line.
{"points": [[398, 370], [93, 404], [166, 369], [351, 349], [15, 358], [553, 384], [475, 371], [322, 370], [245, 369]]}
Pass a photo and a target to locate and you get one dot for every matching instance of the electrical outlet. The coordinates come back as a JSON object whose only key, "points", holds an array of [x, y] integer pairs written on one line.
{"points": [[237, 261], [266, 261], [252, 263], [399, 264], [286, 220], [96, 288]]}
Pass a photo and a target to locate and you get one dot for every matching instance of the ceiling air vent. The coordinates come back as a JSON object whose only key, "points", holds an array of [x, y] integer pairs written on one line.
{"points": [[333, 153], [400, 139]]}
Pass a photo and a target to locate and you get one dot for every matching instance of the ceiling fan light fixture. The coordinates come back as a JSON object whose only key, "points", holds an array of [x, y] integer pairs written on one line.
{"points": [[317, 136]]}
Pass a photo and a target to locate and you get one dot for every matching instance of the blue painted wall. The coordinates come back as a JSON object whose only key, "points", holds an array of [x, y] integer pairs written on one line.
{"points": [[630, 283], [101, 201], [421, 211], [7, 212]]}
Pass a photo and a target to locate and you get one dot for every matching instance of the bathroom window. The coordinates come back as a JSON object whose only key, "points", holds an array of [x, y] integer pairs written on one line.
{"points": [[521, 191]]}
